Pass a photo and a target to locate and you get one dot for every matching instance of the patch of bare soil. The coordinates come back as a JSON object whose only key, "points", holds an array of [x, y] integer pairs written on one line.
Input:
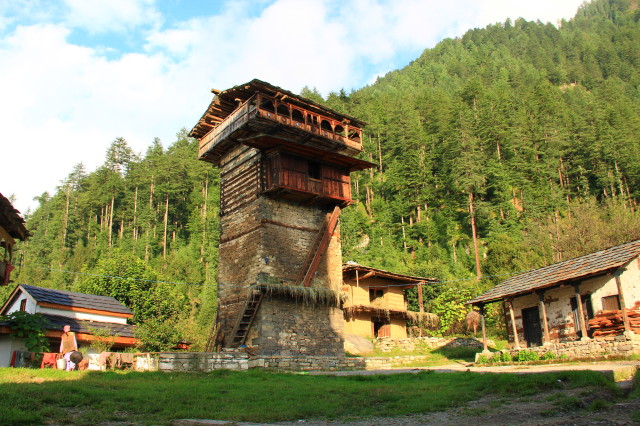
{"points": [[569, 407]]}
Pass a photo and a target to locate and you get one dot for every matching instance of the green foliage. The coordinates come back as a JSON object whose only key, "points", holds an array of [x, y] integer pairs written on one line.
{"points": [[450, 308], [157, 335], [29, 327], [525, 355], [548, 356], [103, 341]]}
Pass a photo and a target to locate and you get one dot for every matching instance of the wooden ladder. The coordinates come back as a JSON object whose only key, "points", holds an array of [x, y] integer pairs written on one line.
{"points": [[241, 329], [318, 249]]}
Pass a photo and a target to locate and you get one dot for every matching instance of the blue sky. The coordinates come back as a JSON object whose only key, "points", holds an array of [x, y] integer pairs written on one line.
{"points": [[76, 74]]}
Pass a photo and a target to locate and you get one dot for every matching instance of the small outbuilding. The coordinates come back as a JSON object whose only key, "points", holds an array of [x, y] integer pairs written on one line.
{"points": [[86, 314], [376, 305], [572, 300]]}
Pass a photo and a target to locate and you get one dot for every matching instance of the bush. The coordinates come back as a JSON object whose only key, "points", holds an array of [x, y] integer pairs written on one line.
{"points": [[506, 357], [549, 355], [524, 356]]}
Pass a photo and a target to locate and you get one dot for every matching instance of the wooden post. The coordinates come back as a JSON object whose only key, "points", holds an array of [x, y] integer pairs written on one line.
{"points": [[623, 307], [543, 316], [581, 322], [420, 301], [484, 329], [514, 329]]}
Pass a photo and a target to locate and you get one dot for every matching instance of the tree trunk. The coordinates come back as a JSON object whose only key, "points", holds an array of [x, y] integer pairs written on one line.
{"points": [[166, 220], [474, 233], [111, 219], [134, 232], [66, 217]]}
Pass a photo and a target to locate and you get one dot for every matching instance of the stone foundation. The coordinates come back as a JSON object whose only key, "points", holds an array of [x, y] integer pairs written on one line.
{"points": [[611, 345]]}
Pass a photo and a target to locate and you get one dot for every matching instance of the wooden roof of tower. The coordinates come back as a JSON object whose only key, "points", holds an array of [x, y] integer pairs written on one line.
{"points": [[12, 221], [236, 115]]}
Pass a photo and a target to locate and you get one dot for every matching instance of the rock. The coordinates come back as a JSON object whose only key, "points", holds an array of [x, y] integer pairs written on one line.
{"points": [[357, 345]]}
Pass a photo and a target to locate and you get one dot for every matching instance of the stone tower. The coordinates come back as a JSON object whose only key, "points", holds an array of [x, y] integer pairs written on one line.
{"points": [[284, 176]]}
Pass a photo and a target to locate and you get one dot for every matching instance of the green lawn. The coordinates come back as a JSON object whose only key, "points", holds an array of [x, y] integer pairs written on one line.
{"points": [[54, 396]]}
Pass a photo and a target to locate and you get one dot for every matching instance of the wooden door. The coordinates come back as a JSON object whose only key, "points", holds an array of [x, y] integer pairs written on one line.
{"points": [[532, 327]]}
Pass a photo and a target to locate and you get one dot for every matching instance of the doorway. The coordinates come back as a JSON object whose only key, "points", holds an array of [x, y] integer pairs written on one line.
{"points": [[532, 327], [381, 328]]}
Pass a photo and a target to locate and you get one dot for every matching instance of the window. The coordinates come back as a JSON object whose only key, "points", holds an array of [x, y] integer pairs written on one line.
{"points": [[314, 170], [611, 303], [23, 305], [375, 293]]}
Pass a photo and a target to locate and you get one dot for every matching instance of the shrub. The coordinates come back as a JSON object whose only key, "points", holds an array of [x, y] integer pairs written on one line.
{"points": [[549, 355], [506, 357], [525, 355]]}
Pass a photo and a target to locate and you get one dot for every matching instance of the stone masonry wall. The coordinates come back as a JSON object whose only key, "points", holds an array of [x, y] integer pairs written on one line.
{"points": [[293, 328], [410, 345], [611, 345]]}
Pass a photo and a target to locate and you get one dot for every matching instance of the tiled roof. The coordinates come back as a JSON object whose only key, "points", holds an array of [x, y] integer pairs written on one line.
{"points": [[57, 322], [76, 300], [569, 270]]}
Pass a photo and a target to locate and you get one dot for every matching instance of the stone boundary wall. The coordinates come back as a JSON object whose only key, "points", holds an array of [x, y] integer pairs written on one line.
{"points": [[412, 344], [611, 345], [203, 361]]}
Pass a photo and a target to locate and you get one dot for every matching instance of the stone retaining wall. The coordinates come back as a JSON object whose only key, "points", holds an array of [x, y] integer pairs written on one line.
{"points": [[203, 361], [416, 343], [611, 345]]}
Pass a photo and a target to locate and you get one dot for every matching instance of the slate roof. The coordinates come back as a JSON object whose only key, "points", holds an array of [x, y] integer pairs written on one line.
{"points": [[76, 300], [569, 270], [57, 322], [401, 278]]}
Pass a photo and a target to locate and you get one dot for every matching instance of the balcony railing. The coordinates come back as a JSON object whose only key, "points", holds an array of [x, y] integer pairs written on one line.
{"points": [[270, 108]]}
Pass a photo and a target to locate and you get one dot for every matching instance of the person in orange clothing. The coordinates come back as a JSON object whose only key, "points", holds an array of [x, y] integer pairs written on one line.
{"points": [[68, 345]]}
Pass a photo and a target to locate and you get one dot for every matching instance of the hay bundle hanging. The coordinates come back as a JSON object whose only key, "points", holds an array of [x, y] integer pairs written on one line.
{"points": [[425, 320], [307, 295]]}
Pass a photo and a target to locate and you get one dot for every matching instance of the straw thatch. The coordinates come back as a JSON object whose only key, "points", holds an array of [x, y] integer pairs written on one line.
{"points": [[307, 295]]}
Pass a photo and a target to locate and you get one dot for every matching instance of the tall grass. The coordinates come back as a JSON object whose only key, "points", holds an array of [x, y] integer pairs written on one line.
{"points": [[51, 396]]}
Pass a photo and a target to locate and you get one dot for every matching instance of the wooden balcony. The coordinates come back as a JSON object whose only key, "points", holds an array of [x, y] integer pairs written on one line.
{"points": [[266, 116]]}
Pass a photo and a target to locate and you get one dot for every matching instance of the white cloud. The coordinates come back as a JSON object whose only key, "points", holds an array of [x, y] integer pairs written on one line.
{"points": [[99, 16]]}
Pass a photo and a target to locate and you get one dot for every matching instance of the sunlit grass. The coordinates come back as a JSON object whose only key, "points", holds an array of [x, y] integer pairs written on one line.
{"points": [[50, 396]]}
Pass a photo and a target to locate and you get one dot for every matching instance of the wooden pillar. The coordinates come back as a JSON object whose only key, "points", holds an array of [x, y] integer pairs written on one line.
{"points": [[420, 301], [484, 330], [623, 307], [543, 317], [514, 329], [581, 322]]}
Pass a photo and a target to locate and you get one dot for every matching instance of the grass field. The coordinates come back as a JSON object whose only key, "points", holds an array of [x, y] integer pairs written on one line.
{"points": [[54, 396]]}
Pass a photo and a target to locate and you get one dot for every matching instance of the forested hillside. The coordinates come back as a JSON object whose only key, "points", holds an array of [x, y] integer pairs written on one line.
{"points": [[512, 147]]}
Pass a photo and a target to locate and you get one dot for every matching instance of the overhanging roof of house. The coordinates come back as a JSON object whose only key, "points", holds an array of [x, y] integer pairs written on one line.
{"points": [[581, 267], [11, 220], [57, 322], [367, 272], [70, 300]]}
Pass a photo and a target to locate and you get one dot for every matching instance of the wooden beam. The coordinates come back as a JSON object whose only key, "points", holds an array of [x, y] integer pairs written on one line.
{"points": [[420, 301], [514, 329], [86, 310], [319, 247], [484, 329], [543, 317], [583, 327], [623, 307]]}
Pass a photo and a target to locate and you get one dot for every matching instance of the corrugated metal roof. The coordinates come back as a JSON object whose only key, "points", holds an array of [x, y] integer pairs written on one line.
{"points": [[569, 270], [78, 300]]}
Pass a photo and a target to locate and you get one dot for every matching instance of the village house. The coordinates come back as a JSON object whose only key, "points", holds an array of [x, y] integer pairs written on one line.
{"points": [[376, 305], [12, 228], [86, 314], [592, 296]]}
